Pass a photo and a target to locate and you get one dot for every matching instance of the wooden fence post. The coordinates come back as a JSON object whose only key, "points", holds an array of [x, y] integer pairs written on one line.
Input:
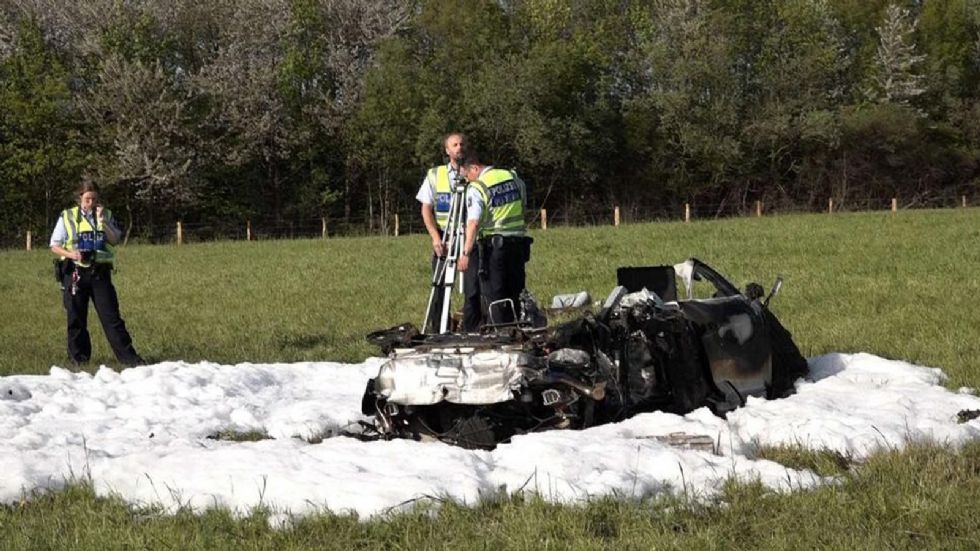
{"points": [[180, 233], [687, 212], [544, 219], [830, 206], [894, 204], [248, 230], [323, 227], [758, 209], [28, 239], [616, 216], [396, 225], [964, 201]]}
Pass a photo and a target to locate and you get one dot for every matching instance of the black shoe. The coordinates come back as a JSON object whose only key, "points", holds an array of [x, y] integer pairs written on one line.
{"points": [[136, 362]]}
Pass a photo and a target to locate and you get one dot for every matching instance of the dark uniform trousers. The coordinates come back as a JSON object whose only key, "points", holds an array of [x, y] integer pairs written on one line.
{"points": [[503, 274], [96, 283], [472, 296]]}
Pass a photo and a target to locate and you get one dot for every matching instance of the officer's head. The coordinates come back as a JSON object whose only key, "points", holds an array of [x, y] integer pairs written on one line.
{"points": [[470, 165], [88, 194], [455, 144]]}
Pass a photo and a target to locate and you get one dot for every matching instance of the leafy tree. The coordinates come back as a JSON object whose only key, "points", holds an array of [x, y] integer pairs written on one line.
{"points": [[148, 135], [950, 36], [688, 117], [560, 117], [800, 70], [41, 149], [331, 46], [383, 134], [285, 109]]}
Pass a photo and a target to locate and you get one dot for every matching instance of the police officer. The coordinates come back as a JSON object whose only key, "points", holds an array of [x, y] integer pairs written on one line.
{"points": [[496, 235], [84, 237], [435, 195]]}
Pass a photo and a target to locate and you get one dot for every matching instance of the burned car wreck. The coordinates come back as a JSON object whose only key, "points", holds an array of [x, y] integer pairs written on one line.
{"points": [[644, 349]]}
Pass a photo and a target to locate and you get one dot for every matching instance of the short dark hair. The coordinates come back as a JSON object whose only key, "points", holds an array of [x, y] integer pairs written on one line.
{"points": [[470, 157], [448, 135], [86, 185]]}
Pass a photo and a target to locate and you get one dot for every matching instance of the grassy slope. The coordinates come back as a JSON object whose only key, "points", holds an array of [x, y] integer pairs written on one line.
{"points": [[902, 286], [897, 285]]}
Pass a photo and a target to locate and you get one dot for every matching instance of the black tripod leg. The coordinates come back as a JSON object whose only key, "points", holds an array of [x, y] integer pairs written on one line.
{"points": [[430, 324]]}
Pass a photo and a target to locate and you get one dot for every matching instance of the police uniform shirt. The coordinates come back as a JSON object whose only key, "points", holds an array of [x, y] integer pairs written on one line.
{"points": [[474, 199], [60, 234], [425, 194]]}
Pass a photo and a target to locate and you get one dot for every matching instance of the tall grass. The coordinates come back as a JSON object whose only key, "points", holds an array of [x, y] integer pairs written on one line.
{"points": [[899, 285]]}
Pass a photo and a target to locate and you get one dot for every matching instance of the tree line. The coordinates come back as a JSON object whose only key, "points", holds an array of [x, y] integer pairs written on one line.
{"points": [[281, 110]]}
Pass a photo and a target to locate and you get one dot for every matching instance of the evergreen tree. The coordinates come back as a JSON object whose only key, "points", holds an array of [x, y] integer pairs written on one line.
{"points": [[896, 78]]}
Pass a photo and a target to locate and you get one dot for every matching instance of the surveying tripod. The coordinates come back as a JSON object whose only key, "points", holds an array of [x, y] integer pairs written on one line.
{"points": [[444, 275]]}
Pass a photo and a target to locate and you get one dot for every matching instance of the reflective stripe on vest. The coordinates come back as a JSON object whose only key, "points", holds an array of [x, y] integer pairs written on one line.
{"points": [[79, 229], [503, 195], [442, 193]]}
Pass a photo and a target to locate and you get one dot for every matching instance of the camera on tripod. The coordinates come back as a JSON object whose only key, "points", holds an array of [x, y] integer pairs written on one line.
{"points": [[459, 183]]}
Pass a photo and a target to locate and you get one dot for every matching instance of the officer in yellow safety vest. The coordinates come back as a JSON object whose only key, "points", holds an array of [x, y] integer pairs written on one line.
{"points": [[436, 190], [83, 238], [435, 195], [496, 235]]}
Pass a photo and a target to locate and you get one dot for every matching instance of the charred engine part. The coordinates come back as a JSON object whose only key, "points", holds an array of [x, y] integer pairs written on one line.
{"points": [[569, 358], [596, 391], [552, 396], [399, 336]]}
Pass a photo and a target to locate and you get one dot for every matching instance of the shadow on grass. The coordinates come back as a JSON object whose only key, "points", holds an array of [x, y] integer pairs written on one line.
{"points": [[304, 342]]}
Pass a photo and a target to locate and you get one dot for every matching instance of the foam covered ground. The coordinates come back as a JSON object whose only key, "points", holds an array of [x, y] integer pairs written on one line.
{"points": [[142, 434]]}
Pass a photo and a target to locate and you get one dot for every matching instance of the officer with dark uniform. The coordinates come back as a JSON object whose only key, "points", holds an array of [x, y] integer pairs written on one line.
{"points": [[435, 195], [84, 237], [496, 235]]}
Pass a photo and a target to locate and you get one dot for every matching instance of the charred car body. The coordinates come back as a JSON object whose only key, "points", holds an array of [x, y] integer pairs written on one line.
{"points": [[643, 350]]}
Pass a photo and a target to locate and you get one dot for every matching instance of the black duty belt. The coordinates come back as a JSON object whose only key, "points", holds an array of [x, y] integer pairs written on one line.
{"points": [[497, 241], [95, 267]]}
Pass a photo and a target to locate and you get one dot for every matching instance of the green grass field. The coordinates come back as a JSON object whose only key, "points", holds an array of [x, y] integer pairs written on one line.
{"points": [[898, 285]]}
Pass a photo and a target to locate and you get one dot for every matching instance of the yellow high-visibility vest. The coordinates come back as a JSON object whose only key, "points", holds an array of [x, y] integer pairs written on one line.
{"points": [[504, 196], [442, 193], [77, 225]]}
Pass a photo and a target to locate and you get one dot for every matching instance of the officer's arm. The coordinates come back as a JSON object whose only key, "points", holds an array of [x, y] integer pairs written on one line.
{"points": [[429, 219], [60, 251], [522, 186], [111, 231], [58, 240], [427, 197], [464, 261]]}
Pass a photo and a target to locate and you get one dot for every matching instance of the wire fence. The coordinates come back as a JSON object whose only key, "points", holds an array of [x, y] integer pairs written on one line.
{"points": [[573, 214]]}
